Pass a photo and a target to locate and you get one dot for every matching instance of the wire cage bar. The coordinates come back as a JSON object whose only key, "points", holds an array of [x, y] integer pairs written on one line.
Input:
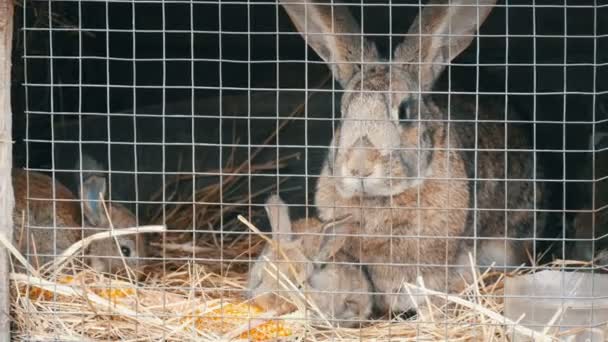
{"points": [[312, 170]]}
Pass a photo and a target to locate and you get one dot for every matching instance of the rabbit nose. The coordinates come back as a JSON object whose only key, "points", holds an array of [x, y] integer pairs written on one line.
{"points": [[361, 172], [362, 165], [362, 158]]}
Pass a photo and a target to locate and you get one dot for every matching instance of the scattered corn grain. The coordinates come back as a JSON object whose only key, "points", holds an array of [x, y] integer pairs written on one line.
{"points": [[229, 316], [36, 293]]}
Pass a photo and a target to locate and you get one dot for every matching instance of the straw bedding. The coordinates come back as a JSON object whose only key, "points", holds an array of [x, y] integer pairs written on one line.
{"points": [[203, 300]]}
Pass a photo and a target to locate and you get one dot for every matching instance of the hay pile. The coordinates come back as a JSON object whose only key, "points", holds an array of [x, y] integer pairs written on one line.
{"points": [[170, 302], [205, 301]]}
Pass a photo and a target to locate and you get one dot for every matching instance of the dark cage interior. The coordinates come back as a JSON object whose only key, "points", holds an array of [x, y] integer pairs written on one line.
{"points": [[164, 93]]}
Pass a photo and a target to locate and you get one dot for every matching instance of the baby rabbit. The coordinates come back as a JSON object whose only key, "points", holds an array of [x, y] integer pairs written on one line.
{"points": [[102, 255], [593, 225], [347, 292], [430, 190]]}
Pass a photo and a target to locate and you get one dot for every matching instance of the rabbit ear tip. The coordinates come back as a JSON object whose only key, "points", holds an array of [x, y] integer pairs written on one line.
{"points": [[274, 199], [95, 182]]}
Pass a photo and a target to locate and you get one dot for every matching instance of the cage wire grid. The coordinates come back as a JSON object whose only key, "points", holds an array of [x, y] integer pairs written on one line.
{"points": [[135, 114]]}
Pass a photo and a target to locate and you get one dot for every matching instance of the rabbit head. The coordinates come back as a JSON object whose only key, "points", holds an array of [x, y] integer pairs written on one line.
{"points": [[341, 291], [109, 255], [305, 261], [384, 143]]}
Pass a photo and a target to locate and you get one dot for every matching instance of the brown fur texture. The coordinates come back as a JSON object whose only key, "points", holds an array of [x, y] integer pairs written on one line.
{"points": [[425, 191], [53, 222], [331, 278]]}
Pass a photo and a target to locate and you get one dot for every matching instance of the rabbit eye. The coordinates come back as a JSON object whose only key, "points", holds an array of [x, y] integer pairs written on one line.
{"points": [[126, 251], [405, 109]]}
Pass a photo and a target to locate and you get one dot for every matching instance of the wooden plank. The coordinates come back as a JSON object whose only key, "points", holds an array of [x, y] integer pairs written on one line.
{"points": [[6, 148]]}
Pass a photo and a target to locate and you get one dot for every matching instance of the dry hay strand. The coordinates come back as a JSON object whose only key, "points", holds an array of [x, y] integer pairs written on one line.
{"points": [[230, 254], [205, 301], [201, 209], [73, 302]]}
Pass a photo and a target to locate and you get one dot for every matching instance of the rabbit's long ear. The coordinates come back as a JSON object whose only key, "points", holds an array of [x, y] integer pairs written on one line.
{"points": [[333, 33], [598, 141], [333, 238], [93, 191], [278, 215], [442, 30], [91, 167]]}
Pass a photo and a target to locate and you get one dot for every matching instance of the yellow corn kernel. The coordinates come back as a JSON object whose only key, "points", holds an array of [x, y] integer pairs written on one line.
{"points": [[230, 316], [267, 331], [114, 294], [37, 293], [65, 279]]}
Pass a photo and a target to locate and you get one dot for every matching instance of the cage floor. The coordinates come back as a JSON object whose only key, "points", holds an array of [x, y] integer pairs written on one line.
{"points": [[200, 298]]}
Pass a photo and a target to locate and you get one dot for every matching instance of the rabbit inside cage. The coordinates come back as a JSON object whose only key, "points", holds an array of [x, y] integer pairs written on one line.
{"points": [[318, 165]]}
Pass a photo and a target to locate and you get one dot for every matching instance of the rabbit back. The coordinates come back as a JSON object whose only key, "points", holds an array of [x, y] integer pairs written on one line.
{"points": [[47, 229], [502, 171]]}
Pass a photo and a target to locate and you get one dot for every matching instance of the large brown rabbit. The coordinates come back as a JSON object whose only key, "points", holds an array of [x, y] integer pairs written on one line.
{"points": [[408, 174], [53, 229]]}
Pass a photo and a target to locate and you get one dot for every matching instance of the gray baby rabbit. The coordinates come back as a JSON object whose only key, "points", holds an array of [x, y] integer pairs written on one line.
{"points": [[102, 255], [403, 171], [319, 265]]}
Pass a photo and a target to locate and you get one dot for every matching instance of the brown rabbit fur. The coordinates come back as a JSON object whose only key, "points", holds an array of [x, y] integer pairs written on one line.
{"points": [[40, 215], [310, 261], [404, 172]]}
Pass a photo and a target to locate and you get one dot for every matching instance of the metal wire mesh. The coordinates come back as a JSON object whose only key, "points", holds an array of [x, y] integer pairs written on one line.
{"points": [[448, 155]]}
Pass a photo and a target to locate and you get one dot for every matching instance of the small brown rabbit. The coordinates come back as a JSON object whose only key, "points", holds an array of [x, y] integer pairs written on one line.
{"points": [[427, 184], [340, 289], [41, 218], [593, 224]]}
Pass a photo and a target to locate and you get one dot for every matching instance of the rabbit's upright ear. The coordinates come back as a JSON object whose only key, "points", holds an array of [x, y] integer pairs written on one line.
{"points": [[278, 215], [442, 30], [93, 184], [93, 191], [330, 29], [333, 238], [598, 141]]}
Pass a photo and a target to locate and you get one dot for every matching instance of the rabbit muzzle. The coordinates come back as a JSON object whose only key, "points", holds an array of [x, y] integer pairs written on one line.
{"points": [[366, 169], [360, 169]]}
